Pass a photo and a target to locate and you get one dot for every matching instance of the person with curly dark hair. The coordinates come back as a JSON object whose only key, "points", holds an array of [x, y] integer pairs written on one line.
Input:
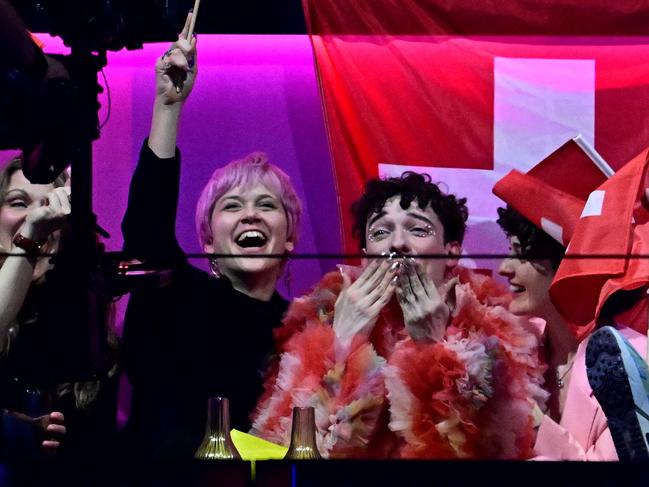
{"points": [[534, 259], [533, 243], [573, 426], [409, 355], [451, 211], [540, 256]]}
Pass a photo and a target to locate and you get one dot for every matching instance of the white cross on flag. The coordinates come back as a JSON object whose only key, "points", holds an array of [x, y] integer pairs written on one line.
{"points": [[613, 222], [467, 91]]}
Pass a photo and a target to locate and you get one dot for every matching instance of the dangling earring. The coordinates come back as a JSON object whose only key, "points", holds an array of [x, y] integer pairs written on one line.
{"points": [[214, 267], [288, 279]]}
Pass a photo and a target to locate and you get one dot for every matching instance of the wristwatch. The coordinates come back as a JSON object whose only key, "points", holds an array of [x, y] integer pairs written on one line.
{"points": [[27, 244]]}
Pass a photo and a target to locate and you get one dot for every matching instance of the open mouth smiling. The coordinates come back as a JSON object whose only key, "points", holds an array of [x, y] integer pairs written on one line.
{"points": [[251, 239], [515, 288]]}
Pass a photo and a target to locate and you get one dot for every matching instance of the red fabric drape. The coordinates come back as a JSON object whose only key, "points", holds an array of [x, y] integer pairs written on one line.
{"points": [[399, 85]]}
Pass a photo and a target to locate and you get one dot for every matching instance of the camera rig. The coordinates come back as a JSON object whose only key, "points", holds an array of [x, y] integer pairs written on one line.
{"points": [[54, 122]]}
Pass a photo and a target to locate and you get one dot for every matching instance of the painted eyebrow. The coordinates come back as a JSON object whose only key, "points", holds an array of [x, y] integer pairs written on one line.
{"points": [[375, 217]]}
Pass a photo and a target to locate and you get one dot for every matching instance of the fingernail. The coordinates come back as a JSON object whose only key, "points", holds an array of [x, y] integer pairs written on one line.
{"points": [[394, 281], [395, 266]]}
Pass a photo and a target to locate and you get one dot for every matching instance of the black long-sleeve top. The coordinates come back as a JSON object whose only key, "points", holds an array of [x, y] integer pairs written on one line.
{"points": [[189, 340]]}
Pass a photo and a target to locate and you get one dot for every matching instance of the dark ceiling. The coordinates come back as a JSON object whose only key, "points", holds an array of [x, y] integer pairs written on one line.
{"points": [[130, 22], [251, 17]]}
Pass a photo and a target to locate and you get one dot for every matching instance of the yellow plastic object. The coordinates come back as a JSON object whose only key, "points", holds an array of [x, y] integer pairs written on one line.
{"points": [[252, 448]]}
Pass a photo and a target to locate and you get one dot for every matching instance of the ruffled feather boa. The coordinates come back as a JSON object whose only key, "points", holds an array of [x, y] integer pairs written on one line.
{"points": [[468, 396]]}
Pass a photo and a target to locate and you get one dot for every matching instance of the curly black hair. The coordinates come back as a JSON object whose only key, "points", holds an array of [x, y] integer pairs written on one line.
{"points": [[451, 211], [535, 243]]}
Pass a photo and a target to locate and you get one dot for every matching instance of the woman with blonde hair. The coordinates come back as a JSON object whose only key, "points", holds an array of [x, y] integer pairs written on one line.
{"points": [[31, 219]]}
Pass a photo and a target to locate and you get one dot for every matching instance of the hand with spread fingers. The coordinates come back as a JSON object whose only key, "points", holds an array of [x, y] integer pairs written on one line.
{"points": [[360, 303], [425, 309], [176, 69]]}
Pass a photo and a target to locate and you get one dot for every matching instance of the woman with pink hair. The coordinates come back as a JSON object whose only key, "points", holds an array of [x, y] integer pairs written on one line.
{"points": [[200, 334]]}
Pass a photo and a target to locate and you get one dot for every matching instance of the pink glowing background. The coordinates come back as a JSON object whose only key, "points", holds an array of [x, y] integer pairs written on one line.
{"points": [[253, 93]]}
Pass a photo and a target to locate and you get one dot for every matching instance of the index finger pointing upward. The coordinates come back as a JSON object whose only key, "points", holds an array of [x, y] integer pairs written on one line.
{"points": [[197, 4], [185, 32]]}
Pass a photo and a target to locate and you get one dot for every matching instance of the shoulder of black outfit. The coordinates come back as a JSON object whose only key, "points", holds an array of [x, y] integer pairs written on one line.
{"points": [[149, 224]]}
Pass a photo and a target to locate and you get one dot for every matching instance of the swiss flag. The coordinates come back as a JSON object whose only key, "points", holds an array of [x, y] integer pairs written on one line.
{"points": [[468, 91], [553, 193], [613, 222]]}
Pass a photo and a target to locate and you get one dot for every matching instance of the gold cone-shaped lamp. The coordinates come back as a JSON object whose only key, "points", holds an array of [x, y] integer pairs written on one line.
{"points": [[217, 444], [303, 445]]}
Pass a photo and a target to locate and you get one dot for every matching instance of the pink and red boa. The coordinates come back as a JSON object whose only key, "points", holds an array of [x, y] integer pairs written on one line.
{"points": [[467, 396]]}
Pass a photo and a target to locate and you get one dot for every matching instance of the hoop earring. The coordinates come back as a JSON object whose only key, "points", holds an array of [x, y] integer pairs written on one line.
{"points": [[214, 268]]}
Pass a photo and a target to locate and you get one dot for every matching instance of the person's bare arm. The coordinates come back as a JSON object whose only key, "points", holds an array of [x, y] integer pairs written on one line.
{"points": [[17, 270]]}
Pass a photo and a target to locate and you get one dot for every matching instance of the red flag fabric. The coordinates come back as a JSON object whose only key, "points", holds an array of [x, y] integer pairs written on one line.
{"points": [[613, 222], [553, 193], [486, 17], [570, 170], [403, 84]]}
